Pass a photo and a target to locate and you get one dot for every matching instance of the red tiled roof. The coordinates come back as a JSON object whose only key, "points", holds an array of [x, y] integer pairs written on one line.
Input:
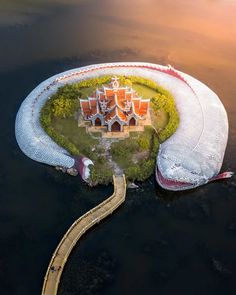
{"points": [[116, 112], [120, 93], [93, 111], [89, 109], [136, 105], [128, 96], [109, 92], [93, 103], [86, 108], [143, 108], [140, 107], [121, 115], [111, 103], [121, 102], [110, 115]]}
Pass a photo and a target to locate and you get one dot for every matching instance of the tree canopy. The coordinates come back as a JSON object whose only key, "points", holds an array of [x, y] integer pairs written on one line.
{"points": [[62, 107]]}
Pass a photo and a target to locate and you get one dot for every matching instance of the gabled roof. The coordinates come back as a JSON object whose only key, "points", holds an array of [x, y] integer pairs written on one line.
{"points": [[116, 112], [109, 116], [89, 107], [85, 107], [144, 105], [111, 102], [121, 115], [141, 106]]}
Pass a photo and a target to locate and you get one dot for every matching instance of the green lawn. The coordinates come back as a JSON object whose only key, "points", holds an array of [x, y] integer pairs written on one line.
{"points": [[144, 91], [159, 119], [87, 145], [77, 135]]}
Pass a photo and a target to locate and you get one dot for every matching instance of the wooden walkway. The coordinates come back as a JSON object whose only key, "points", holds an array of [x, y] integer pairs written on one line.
{"points": [[78, 228]]}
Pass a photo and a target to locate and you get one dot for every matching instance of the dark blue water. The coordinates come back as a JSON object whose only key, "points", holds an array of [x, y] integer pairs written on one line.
{"points": [[158, 242]]}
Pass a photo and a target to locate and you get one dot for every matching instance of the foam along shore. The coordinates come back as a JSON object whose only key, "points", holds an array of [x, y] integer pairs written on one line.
{"points": [[192, 156]]}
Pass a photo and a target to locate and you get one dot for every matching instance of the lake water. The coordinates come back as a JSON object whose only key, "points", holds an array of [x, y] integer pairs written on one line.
{"points": [[158, 242]]}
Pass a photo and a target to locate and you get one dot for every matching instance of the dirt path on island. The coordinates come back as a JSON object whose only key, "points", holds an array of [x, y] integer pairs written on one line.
{"points": [[105, 144]]}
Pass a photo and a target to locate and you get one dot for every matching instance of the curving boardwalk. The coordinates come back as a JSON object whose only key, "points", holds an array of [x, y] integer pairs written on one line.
{"points": [[78, 228]]}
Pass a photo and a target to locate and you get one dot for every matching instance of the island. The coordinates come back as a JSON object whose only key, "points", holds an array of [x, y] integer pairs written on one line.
{"points": [[53, 126], [117, 122]]}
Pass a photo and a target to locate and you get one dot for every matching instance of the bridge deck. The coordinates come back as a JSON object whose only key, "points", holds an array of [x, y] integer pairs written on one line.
{"points": [[78, 228]]}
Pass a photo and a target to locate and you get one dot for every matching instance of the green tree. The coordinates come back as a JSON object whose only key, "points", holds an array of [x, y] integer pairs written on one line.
{"points": [[62, 107]]}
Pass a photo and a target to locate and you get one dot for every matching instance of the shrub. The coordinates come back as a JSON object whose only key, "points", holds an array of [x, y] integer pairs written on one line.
{"points": [[69, 91], [140, 171], [98, 176], [132, 173], [62, 141], [155, 147], [167, 103], [63, 107], [146, 169], [124, 147], [144, 143]]}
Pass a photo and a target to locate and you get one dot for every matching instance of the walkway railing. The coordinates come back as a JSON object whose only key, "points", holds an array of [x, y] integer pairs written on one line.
{"points": [[77, 229]]}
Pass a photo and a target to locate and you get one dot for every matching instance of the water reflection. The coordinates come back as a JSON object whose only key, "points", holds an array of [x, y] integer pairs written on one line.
{"points": [[174, 31]]}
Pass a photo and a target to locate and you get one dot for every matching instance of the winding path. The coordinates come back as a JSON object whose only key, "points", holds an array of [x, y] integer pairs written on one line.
{"points": [[78, 228]]}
